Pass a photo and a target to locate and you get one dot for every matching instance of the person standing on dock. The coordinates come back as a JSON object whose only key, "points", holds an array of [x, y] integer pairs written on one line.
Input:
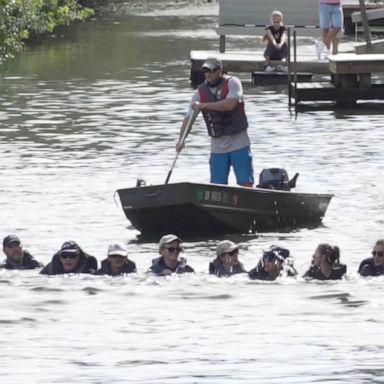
{"points": [[220, 99], [331, 23], [276, 37]]}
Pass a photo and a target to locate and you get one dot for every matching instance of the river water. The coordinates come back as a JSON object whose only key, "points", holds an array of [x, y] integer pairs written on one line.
{"points": [[100, 105]]}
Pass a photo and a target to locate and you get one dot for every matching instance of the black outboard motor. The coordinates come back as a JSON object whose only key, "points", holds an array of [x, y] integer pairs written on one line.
{"points": [[276, 178], [140, 183]]}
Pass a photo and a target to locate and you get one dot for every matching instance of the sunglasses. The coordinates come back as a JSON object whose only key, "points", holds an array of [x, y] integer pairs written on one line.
{"points": [[206, 70], [115, 256], [378, 253], [173, 249], [69, 256], [232, 253]]}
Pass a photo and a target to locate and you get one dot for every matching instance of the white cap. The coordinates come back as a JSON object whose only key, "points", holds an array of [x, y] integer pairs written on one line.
{"points": [[226, 246], [117, 249], [168, 239]]}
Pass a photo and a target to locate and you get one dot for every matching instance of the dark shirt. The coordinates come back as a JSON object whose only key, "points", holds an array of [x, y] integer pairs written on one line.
{"points": [[216, 267], [86, 264], [368, 268], [338, 271], [259, 273], [158, 266], [276, 33], [105, 269], [28, 262]]}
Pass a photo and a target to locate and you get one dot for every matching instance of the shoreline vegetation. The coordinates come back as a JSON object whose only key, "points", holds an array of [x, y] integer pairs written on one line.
{"points": [[26, 20]]}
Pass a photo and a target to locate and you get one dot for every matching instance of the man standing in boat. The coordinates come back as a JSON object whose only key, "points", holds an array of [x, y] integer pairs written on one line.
{"points": [[220, 99]]}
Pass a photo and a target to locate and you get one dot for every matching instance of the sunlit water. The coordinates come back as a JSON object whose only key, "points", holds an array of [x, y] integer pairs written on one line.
{"points": [[99, 106]]}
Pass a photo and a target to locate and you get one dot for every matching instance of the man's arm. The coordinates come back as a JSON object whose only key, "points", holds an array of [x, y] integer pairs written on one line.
{"points": [[235, 94], [218, 106]]}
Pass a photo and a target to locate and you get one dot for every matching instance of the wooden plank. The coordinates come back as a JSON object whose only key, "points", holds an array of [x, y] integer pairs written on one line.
{"points": [[315, 85], [372, 14], [377, 46], [248, 61], [352, 63], [352, 57], [338, 95], [367, 31], [275, 78]]}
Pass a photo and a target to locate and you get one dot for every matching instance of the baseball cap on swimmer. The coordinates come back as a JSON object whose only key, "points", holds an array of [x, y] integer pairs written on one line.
{"points": [[225, 246], [168, 239], [117, 249], [8, 240], [276, 252], [69, 247], [212, 63]]}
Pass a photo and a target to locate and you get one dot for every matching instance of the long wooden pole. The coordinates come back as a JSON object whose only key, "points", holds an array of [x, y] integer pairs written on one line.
{"points": [[364, 19], [187, 129]]}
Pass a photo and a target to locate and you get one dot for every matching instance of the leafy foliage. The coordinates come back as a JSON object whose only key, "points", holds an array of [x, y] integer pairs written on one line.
{"points": [[22, 19]]}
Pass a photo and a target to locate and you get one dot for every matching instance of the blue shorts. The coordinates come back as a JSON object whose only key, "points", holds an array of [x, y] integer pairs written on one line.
{"points": [[241, 162], [330, 16]]}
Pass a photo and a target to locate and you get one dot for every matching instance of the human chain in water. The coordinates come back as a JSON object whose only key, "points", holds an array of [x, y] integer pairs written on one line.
{"points": [[274, 262]]}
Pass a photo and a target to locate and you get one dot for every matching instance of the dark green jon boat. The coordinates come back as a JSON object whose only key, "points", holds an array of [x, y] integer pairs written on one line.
{"points": [[205, 209]]}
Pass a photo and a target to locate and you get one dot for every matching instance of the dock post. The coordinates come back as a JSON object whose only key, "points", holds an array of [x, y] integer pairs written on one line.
{"points": [[294, 67], [289, 68], [367, 32], [222, 44]]}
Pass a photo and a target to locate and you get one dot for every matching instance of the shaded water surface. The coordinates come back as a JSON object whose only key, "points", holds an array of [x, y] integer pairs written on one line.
{"points": [[100, 105]]}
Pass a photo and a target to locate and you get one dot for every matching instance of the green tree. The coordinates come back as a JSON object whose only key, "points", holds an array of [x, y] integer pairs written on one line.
{"points": [[23, 19]]}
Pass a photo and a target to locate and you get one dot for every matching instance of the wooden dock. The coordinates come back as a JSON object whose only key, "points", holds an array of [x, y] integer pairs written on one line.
{"points": [[248, 62], [278, 78], [351, 81], [352, 16]]}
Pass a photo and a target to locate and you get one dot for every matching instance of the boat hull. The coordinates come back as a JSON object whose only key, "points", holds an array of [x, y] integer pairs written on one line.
{"points": [[205, 209]]}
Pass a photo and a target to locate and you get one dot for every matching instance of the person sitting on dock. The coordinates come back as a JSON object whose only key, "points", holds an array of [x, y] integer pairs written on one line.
{"points": [[117, 262], [331, 23], [169, 262], [326, 264], [374, 266], [273, 263], [16, 256], [226, 262], [220, 99], [70, 259], [276, 37]]}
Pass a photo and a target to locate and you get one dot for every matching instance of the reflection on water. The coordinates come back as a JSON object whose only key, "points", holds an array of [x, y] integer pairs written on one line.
{"points": [[100, 106]]}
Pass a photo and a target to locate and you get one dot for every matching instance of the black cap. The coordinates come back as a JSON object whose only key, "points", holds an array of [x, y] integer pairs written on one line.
{"points": [[8, 240], [70, 247], [276, 252]]}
